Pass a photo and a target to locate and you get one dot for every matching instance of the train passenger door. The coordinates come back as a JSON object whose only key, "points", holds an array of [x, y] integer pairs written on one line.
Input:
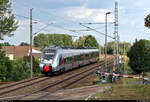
{"points": [[61, 63], [60, 60], [72, 60], [83, 59], [89, 58]]}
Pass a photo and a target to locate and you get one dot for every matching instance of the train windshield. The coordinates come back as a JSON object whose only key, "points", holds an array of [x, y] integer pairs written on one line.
{"points": [[49, 54]]}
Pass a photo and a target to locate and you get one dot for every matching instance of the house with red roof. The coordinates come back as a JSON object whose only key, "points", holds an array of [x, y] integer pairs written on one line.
{"points": [[14, 52]]}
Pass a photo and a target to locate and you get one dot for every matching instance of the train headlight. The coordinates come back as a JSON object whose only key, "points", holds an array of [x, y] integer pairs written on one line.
{"points": [[46, 68]]}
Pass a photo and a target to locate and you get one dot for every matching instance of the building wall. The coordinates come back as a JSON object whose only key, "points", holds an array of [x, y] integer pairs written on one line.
{"points": [[11, 56]]}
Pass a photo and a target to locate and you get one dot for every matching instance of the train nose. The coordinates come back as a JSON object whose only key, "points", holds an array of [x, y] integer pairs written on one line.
{"points": [[47, 68]]}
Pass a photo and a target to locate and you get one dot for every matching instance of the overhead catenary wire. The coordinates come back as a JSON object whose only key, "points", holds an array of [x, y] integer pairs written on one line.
{"points": [[95, 30], [32, 19], [57, 26], [48, 24], [48, 13], [73, 22]]}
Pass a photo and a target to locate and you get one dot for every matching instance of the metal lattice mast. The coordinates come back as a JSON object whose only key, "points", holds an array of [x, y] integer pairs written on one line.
{"points": [[116, 36]]}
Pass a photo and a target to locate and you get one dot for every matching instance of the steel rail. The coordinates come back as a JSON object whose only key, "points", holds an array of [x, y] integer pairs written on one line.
{"points": [[62, 81], [51, 85], [11, 90], [20, 82]]}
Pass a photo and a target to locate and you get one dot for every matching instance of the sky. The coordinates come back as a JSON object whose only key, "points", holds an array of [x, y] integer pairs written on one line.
{"points": [[63, 16]]}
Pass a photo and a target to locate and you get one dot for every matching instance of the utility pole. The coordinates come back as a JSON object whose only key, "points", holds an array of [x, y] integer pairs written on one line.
{"points": [[106, 39], [31, 64], [116, 45], [100, 52]]}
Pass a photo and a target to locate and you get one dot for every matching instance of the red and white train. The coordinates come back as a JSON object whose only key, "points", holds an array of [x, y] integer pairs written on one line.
{"points": [[55, 59]]}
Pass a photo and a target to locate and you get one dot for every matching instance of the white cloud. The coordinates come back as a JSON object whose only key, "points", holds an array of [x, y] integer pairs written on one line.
{"points": [[96, 15], [78, 12]]}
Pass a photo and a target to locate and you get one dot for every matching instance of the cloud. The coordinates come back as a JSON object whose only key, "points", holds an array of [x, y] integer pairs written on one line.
{"points": [[78, 13], [100, 16]]}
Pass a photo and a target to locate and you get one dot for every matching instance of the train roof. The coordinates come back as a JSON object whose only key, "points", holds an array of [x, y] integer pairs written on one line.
{"points": [[68, 47], [70, 52], [66, 51]]}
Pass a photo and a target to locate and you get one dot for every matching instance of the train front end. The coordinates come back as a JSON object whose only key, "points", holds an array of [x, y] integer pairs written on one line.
{"points": [[47, 60]]}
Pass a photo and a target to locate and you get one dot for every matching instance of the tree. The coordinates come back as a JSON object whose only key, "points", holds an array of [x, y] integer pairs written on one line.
{"points": [[147, 21], [5, 44], [139, 56], [90, 41], [24, 44], [44, 40], [5, 66], [36, 62], [110, 47], [86, 41], [19, 71], [7, 19], [21, 68]]}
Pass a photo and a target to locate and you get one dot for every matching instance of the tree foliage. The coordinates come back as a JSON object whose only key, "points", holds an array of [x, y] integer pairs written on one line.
{"points": [[86, 41], [43, 40], [147, 21], [5, 66], [21, 68], [110, 47], [139, 56], [7, 19], [6, 44], [24, 44]]}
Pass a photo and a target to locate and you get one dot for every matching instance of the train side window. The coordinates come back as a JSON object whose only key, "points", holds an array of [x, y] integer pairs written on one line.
{"points": [[75, 58], [60, 60], [87, 56], [65, 60], [68, 60]]}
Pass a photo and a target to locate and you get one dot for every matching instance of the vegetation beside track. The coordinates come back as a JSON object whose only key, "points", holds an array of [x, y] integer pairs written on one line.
{"points": [[15, 70], [124, 92], [124, 89]]}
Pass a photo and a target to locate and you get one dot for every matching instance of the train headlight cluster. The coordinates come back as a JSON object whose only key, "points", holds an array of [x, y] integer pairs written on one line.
{"points": [[46, 68]]}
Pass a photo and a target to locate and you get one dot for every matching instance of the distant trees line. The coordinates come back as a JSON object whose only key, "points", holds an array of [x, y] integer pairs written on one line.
{"points": [[44, 40], [123, 47]]}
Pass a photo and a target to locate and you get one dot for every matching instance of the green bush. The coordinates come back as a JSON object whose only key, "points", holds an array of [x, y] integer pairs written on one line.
{"points": [[139, 56], [21, 68], [5, 66], [19, 71]]}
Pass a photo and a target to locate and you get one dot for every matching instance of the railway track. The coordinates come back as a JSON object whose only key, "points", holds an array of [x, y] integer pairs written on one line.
{"points": [[61, 84], [19, 82], [64, 83], [19, 87], [16, 86]]}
